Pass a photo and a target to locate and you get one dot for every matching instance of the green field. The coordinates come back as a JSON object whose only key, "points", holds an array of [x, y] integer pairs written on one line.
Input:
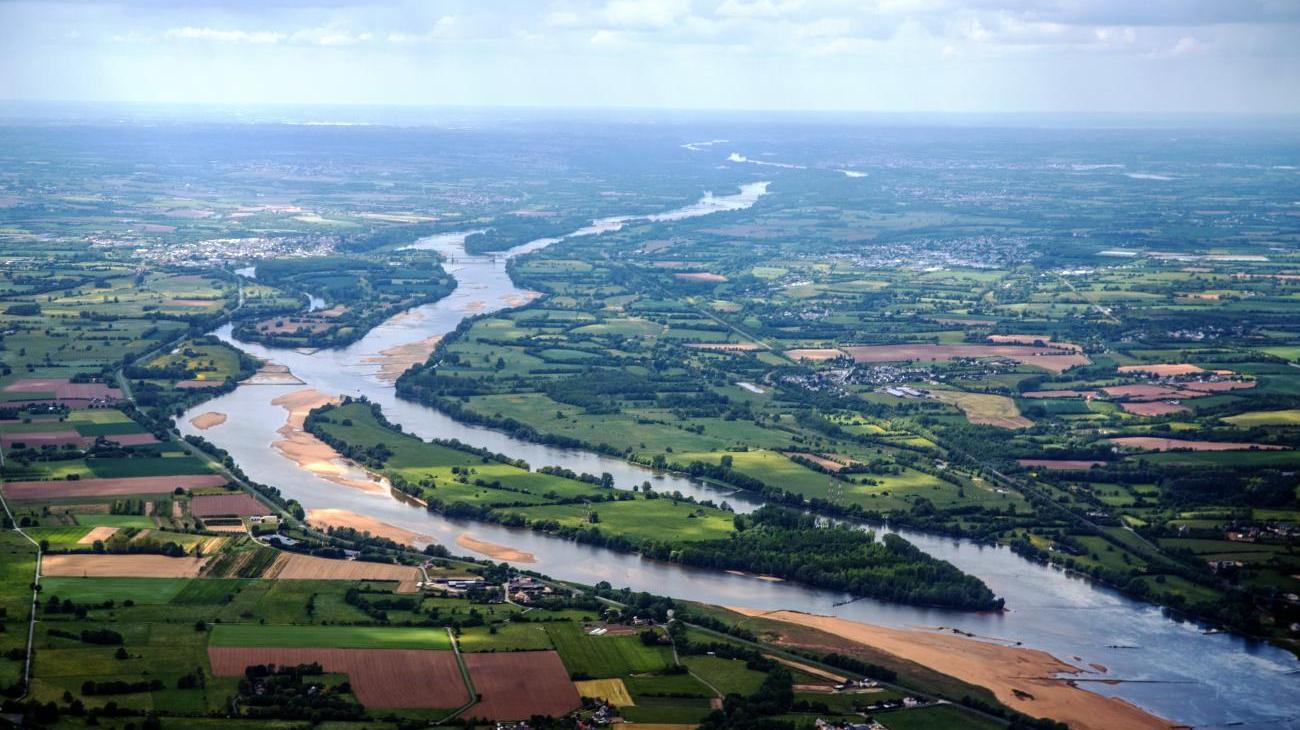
{"points": [[600, 657], [1289, 417], [340, 637], [98, 590], [729, 676]]}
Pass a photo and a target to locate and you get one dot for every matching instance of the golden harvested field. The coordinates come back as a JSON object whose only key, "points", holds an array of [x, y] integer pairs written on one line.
{"points": [[1163, 371], [121, 566], [291, 566], [1152, 443], [96, 533], [612, 691], [1053, 359], [985, 408], [815, 354]]}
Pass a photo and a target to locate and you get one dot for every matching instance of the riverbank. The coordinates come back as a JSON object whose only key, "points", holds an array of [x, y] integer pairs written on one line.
{"points": [[1022, 679], [326, 518], [309, 452]]}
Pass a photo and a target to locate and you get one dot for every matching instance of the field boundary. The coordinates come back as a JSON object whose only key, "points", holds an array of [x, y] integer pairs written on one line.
{"points": [[36, 594], [464, 673]]}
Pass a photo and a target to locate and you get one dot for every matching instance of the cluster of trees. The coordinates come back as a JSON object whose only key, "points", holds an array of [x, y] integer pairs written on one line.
{"points": [[102, 637], [292, 693], [790, 545]]}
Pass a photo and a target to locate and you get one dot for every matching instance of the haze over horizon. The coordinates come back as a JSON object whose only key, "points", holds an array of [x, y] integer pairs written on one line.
{"points": [[973, 56]]}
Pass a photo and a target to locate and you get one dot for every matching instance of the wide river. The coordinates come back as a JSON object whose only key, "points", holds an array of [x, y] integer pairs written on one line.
{"points": [[1170, 668]]}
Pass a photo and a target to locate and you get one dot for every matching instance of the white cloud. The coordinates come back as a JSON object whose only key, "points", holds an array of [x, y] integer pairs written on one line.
{"points": [[757, 8], [606, 38], [255, 37], [443, 27], [644, 13], [329, 37]]}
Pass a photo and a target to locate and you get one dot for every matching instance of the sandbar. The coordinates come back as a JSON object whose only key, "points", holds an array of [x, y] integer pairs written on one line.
{"points": [[325, 518], [1023, 679], [204, 421], [309, 452], [397, 359], [494, 551]]}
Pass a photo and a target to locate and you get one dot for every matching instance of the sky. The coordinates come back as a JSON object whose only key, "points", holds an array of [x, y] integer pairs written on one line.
{"points": [[985, 56]]}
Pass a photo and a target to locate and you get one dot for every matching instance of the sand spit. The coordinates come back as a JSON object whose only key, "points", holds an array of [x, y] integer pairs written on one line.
{"points": [[204, 421], [311, 453], [273, 374], [1023, 679], [326, 518], [398, 359], [494, 551]]}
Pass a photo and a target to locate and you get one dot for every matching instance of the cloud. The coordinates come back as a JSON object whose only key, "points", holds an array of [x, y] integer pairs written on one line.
{"points": [[644, 13], [256, 37]]}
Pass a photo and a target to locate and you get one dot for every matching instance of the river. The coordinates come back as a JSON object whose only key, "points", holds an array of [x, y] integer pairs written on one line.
{"points": [[1174, 669]]}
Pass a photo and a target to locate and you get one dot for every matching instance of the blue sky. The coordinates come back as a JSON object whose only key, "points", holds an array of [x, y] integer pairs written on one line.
{"points": [[1166, 56]]}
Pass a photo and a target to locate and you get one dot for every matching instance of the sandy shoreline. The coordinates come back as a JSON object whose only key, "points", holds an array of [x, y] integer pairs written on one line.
{"points": [[311, 453], [204, 421], [272, 374], [494, 551], [326, 518], [396, 360], [1023, 679]]}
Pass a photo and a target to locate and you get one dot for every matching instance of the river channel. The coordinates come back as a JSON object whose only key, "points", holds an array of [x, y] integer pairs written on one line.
{"points": [[1170, 668]]}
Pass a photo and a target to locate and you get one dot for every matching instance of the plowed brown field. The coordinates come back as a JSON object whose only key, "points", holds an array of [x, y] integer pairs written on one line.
{"points": [[30, 491], [392, 678], [519, 684]]}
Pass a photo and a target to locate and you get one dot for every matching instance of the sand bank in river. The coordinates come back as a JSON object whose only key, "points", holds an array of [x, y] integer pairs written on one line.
{"points": [[494, 551], [204, 421], [1023, 679], [520, 299], [311, 453], [273, 374], [398, 359], [326, 518]]}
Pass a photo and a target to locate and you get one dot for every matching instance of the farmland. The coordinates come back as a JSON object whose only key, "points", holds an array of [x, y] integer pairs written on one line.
{"points": [[1004, 348]]}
